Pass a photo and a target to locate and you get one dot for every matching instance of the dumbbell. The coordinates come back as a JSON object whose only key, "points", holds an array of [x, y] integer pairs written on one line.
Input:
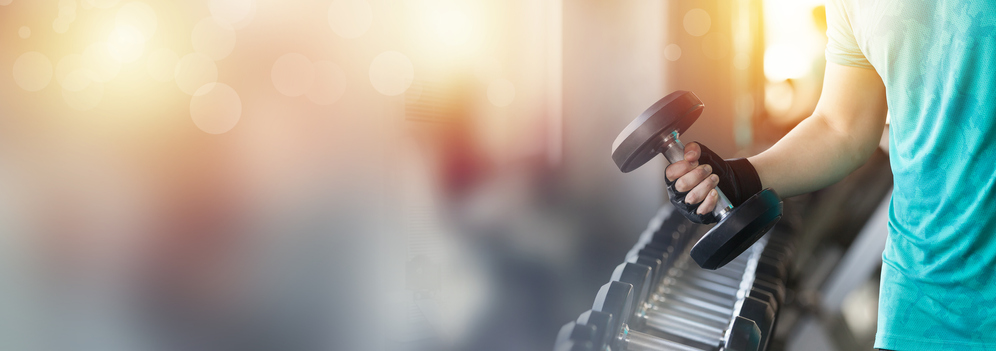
{"points": [[762, 312], [700, 299], [731, 280], [767, 288], [758, 305], [665, 254], [687, 308], [672, 222], [628, 340], [616, 299], [655, 264], [744, 335], [571, 331], [662, 247], [691, 327], [677, 237], [640, 277], [600, 322], [760, 281], [731, 288], [658, 256], [763, 316], [721, 284], [656, 131], [657, 286], [731, 274]]}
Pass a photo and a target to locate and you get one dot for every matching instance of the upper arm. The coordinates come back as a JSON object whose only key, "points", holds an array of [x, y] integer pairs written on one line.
{"points": [[853, 103], [842, 44], [853, 100]]}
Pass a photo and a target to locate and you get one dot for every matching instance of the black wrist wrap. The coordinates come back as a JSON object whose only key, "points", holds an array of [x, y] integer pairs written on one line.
{"points": [[747, 181]]}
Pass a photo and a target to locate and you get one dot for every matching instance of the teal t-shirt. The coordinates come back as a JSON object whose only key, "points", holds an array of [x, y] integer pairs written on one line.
{"points": [[937, 59]]}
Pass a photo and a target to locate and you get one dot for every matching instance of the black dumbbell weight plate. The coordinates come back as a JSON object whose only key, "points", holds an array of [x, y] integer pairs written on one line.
{"points": [[641, 140], [738, 231], [602, 323], [615, 298]]}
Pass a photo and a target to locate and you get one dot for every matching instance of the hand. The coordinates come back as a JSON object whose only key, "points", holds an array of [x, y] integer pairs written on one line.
{"points": [[692, 183]]}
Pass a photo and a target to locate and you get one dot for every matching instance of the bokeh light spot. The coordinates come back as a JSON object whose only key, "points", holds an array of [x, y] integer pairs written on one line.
{"points": [[293, 74], [329, 85], [213, 38], [126, 44], [71, 74], [672, 52], [697, 22], [391, 73], [67, 14], [24, 32], [85, 99], [501, 92], [350, 18], [231, 11], [5, 2], [77, 80], [32, 71], [97, 59], [216, 108], [139, 16], [194, 71], [161, 64], [67, 6], [248, 18]]}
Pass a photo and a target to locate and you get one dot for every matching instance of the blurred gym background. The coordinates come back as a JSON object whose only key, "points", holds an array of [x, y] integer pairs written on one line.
{"points": [[381, 174]]}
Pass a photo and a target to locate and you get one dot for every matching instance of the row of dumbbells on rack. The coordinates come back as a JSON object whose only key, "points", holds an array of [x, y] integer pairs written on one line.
{"points": [[658, 299]]}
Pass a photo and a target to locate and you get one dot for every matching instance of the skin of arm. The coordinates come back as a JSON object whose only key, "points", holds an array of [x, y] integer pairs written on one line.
{"points": [[838, 138]]}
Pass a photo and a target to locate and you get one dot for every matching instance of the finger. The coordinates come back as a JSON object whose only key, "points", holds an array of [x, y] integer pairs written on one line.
{"points": [[701, 190], [692, 153], [709, 203], [677, 169], [692, 178]]}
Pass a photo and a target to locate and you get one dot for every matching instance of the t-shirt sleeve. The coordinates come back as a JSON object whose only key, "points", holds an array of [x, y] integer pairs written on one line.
{"points": [[842, 47]]}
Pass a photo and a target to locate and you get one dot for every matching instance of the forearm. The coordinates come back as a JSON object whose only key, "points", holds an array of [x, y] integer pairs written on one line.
{"points": [[815, 154]]}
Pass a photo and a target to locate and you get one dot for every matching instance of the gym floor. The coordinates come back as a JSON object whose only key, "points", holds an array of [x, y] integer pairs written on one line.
{"points": [[382, 174]]}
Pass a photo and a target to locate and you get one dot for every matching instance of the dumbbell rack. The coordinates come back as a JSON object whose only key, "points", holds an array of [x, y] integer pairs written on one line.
{"points": [[678, 306]]}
